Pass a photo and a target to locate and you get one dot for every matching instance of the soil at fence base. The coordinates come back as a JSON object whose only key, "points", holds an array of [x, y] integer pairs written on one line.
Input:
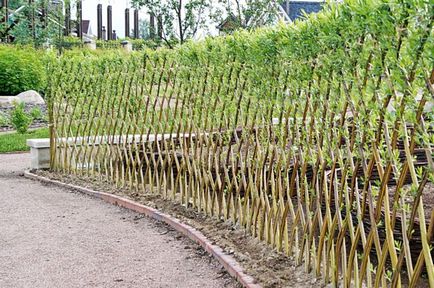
{"points": [[268, 267]]}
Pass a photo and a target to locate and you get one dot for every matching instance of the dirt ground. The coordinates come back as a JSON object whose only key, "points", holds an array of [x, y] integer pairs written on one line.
{"points": [[52, 237], [268, 267]]}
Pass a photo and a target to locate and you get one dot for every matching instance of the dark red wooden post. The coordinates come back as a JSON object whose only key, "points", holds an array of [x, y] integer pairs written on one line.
{"points": [[109, 23], [127, 23], [99, 21], [136, 24], [79, 19]]}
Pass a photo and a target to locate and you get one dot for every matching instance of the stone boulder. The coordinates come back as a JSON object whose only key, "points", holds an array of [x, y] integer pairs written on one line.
{"points": [[31, 97], [8, 101]]}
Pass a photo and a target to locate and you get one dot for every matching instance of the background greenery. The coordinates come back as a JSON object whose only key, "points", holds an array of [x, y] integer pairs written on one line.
{"points": [[12, 142], [21, 68]]}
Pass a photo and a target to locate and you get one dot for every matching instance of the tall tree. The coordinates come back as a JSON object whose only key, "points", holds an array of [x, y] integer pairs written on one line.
{"points": [[247, 14], [179, 20], [34, 22], [144, 32]]}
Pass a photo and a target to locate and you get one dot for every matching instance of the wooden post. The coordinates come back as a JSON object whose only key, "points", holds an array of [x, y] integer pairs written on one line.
{"points": [[109, 23], [127, 23], [99, 21], [79, 19], [136, 24]]}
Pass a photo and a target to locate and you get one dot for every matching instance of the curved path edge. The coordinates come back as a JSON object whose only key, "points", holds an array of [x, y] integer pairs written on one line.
{"points": [[229, 263]]}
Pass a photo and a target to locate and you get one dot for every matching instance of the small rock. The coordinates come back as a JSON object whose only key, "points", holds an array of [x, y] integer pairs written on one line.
{"points": [[31, 97]]}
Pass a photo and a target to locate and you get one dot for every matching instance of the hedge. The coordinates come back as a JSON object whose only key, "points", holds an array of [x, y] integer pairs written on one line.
{"points": [[21, 69]]}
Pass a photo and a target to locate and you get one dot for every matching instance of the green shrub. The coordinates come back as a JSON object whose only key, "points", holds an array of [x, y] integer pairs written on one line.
{"points": [[4, 119], [21, 69], [36, 113], [112, 44], [69, 43], [20, 120], [141, 44]]}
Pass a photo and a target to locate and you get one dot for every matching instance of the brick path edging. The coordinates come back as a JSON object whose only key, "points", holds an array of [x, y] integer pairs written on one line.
{"points": [[229, 263]]}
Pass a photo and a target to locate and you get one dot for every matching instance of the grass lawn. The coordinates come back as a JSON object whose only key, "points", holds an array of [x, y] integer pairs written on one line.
{"points": [[17, 142]]}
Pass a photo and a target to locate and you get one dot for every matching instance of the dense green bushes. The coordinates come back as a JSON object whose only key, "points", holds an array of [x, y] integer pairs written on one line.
{"points": [[338, 30], [21, 69], [137, 44], [69, 43]]}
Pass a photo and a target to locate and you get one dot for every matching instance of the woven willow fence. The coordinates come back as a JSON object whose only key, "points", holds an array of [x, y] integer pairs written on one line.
{"points": [[330, 163]]}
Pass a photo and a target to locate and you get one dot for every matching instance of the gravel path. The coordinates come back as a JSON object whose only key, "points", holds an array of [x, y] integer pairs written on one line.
{"points": [[50, 237]]}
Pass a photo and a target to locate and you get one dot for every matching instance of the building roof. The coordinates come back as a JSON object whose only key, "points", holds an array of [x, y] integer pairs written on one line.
{"points": [[295, 8]]}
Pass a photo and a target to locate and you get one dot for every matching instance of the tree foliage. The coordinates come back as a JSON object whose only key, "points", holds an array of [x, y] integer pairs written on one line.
{"points": [[181, 20], [20, 70], [177, 19], [246, 14], [33, 23]]}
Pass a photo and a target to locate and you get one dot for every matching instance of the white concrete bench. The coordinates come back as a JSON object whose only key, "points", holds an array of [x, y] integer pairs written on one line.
{"points": [[40, 153], [40, 148]]}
